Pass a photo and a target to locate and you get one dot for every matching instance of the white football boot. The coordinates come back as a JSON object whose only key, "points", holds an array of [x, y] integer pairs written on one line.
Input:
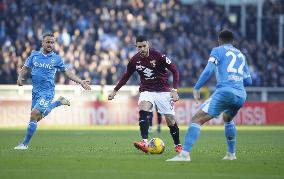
{"points": [[21, 146], [230, 156], [181, 157], [63, 101]]}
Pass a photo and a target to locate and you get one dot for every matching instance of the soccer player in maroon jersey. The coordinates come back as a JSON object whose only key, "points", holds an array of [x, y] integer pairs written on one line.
{"points": [[154, 89]]}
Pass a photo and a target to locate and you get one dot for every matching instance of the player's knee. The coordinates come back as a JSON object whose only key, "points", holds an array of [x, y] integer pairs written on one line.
{"points": [[227, 117], [145, 106], [35, 115], [170, 119]]}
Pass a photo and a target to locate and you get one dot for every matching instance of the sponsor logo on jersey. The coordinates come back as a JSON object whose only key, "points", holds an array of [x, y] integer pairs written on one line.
{"points": [[139, 67], [149, 74], [43, 65]]}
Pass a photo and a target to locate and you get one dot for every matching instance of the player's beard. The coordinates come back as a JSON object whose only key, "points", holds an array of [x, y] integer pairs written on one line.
{"points": [[144, 53], [48, 49]]}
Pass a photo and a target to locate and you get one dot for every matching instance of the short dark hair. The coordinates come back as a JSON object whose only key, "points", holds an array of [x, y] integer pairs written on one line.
{"points": [[226, 36], [141, 38], [49, 34]]}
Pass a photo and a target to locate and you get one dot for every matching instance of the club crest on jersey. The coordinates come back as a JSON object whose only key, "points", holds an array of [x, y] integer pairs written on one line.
{"points": [[153, 63]]}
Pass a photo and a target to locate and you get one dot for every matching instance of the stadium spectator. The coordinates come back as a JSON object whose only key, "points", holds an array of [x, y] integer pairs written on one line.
{"points": [[94, 36]]}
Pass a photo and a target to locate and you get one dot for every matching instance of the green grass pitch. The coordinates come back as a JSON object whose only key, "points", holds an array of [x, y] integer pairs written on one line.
{"points": [[107, 152]]}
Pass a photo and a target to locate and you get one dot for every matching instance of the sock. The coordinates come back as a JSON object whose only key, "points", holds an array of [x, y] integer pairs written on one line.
{"points": [[30, 132], [146, 141], [150, 119], [51, 107], [174, 130], [159, 118], [191, 136], [230, 134], [144, 123]]}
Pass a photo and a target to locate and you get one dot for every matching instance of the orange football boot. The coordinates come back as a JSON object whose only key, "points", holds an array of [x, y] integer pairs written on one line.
{"points": [[141, 145]]}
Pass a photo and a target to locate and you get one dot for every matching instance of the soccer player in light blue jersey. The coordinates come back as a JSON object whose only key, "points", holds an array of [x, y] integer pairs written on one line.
{"points": [[232, 74], [43, 66]]}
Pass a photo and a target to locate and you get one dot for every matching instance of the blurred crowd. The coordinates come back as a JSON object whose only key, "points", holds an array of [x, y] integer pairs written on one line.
{"points": [[97, 38]]}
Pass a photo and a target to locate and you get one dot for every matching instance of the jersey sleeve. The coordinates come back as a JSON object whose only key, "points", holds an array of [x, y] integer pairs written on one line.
{"points": [[205, 75], [246, 71], [247, 76], [170, 66], [214, 56], [29, 61], [61, 65]]}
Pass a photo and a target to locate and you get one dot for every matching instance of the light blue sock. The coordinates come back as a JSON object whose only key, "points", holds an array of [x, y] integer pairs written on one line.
{"points": [[51, 107], [191, 136], [30, 132], [230, 134]]}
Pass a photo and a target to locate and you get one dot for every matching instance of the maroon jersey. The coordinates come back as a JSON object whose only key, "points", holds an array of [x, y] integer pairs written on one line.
{"points": [[152, 72]]}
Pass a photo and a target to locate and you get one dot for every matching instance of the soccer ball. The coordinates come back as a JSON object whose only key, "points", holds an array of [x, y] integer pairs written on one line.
{"points": [[156, 146]]}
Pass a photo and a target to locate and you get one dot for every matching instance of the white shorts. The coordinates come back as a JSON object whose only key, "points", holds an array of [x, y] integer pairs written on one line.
{"points": [[162, 100]]}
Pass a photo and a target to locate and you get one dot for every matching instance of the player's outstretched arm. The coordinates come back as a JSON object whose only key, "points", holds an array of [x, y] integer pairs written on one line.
{"points": [[73, 77], [130, 70], [196, 95], [175, 72], [23, 72], [247, 77], [205, 75]]}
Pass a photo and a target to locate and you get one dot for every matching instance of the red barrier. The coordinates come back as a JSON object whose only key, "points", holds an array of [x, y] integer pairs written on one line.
{"points": [[16, 112], [262, 113], [252, 113]]}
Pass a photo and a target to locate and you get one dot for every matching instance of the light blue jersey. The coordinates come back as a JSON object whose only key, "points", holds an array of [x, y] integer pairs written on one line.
{"points": [[44, 68], [231, 70], [232, 74]]}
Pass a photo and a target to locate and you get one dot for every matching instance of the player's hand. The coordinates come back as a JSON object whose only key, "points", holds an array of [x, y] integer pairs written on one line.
{"points": [[20, 82], [196, 95], [174, 95], [111, 95], [85, 84]]}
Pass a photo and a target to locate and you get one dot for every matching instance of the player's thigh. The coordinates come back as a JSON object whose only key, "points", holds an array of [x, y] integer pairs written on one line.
{"points": [[146, 101], [36, 115], [217, 103], [164, 103], [233, 109], [43, 103]]}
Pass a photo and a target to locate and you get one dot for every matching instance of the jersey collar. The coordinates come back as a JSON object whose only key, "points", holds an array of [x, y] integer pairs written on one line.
{"points": [[47, 55]]}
